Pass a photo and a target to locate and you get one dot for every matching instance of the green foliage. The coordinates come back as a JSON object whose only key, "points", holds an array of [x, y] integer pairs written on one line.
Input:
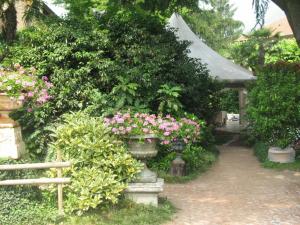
{"points": [[21, 205], [215, 25], [252, 52], [101, 166], [230, 101], [285, 50], [169, 99], [261, 151], [274, 107], [197, 158], [125, 213], [118, 62]]}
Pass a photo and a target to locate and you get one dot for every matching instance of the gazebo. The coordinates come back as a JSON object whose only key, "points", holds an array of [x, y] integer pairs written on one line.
{"points": [[233, 75]]}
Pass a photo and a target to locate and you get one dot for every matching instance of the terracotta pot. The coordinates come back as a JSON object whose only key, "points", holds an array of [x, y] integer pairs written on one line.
{"points": [[7, 105], [276, 154]]}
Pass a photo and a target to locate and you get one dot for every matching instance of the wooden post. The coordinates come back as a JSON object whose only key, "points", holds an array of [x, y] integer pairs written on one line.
{"points": [[60, 186]]}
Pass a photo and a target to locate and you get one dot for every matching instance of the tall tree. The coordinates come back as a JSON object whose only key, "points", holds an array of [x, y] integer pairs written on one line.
{"points": [[8, 16], [291, 9], [215, 24]]}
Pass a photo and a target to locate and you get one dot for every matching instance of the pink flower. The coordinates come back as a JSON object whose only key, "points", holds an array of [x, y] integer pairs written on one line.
{"points": [[145, 130], [120, 120], [30, 94], [166, 133], [166, 142], [29, 110], [21, 97]]}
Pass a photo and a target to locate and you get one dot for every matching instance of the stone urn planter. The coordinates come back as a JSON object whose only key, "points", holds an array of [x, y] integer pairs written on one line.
{"points": [[178, 164], [144, 147], [276, 154], [146, 187], [11, 143]]}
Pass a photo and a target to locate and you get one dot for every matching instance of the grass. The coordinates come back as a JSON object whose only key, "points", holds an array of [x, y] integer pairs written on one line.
{"points": [[261, 152], [175, 179], [295, 166], [125, 213]]}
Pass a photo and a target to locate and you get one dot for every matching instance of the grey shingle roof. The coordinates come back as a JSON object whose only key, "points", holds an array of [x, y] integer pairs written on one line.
{"points": [[219, 67]]}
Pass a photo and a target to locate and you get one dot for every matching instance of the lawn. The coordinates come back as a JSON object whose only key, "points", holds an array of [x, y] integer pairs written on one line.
{"points": [[126, 213]]}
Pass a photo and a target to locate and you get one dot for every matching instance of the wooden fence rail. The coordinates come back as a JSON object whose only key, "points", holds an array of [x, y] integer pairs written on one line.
{"points": [[41, 181]]}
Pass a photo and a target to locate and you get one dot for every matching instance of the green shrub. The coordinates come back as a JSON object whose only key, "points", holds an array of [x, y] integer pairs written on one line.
{"points": [[261, 151], [120, 61], [101, 166], [274, 104], [197, 158]]}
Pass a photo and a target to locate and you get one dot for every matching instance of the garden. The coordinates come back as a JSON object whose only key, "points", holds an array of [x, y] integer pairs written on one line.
{"points": [[87, 90], [94, 88]]}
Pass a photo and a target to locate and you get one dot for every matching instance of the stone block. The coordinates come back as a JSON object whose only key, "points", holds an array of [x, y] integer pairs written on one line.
{"points": [[11, 143], [145, 193]]}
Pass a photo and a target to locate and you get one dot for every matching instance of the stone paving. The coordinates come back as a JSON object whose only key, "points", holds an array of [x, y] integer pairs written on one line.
{"points": [[237, 191]]}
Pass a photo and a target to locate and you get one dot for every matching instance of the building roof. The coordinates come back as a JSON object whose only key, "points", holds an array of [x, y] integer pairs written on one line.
{"points": [[219, 67], [282, 26]]}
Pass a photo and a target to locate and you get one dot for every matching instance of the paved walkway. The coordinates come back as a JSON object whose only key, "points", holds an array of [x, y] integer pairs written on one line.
{"points": [[237, 191]]}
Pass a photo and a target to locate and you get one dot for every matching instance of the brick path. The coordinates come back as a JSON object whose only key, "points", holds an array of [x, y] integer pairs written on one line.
{"points": [[237, 191]]}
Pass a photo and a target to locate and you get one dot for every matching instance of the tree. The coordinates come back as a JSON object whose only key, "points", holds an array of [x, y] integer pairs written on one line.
{"points": [[252, 52], [291, 9], [215, 25], [8, 16]]}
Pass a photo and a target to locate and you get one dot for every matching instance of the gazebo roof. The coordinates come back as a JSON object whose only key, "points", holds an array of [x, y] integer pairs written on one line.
{"points": [[219, 67]]}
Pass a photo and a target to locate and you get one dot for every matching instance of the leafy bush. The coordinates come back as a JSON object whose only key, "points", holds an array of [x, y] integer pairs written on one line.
{"points": [[261, 151], [285, 50], [120, 61], [21, 205], [230, 101], [197, 158], [101, 166], [274, 104]]}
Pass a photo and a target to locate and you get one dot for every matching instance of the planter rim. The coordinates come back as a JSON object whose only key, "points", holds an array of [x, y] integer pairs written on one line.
{"points": [[146, 136], [280, 150]]}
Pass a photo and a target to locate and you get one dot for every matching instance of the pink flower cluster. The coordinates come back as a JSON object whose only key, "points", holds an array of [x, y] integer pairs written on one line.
{"points": [[22, 84], [167, 128]]}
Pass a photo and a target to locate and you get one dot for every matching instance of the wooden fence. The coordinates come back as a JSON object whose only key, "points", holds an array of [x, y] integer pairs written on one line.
{"points": [[40, 181]]}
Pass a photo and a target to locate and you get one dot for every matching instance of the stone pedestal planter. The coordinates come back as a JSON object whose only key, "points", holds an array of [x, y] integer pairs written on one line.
{"points": [[147, 186], [11, 143], [277, 154], [178, 164]]}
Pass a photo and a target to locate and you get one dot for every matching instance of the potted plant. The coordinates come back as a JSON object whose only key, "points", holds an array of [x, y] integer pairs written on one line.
{"points": [[140, 132], [281, 149], [19, 84], [16, 86]]}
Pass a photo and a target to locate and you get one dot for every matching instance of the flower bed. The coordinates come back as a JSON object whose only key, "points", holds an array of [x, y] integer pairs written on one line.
{"points": [[167, 128]]}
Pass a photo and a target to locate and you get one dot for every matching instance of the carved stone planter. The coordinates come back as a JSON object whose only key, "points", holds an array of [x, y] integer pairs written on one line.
{"points": [[143, 150], [11, 143], [279, 155], [147, 186]]}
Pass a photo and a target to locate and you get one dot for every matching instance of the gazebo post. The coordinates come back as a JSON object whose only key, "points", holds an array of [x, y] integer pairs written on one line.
{"points": [[242, 105]]}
